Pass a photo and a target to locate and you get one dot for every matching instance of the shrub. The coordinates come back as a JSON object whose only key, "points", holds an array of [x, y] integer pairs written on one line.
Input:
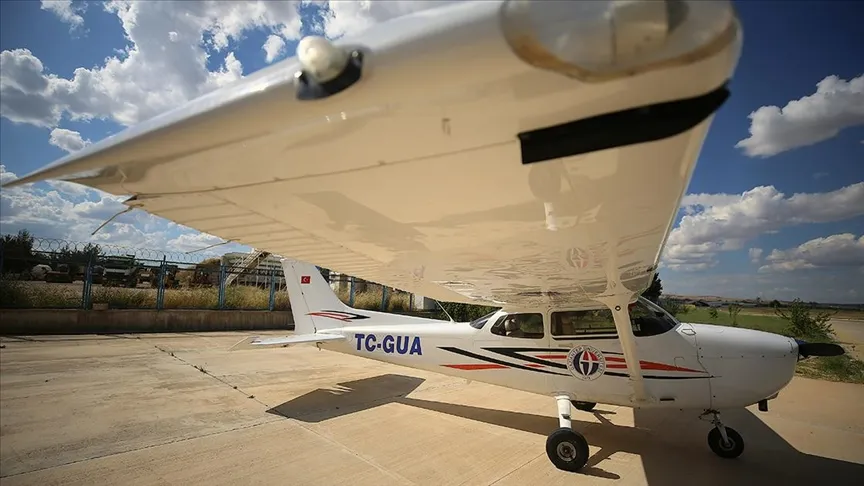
{"points": [[734, 309], [804, 325]]}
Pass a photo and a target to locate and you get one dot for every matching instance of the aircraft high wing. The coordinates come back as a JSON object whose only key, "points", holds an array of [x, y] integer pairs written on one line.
{"points": [[502, 152]]}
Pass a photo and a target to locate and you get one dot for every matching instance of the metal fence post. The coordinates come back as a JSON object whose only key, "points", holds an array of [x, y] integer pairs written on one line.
{"points": [[87, 294], [383, 298], [160, 286], [222, 276], [1, 257], [272, 290], [351, 294]]}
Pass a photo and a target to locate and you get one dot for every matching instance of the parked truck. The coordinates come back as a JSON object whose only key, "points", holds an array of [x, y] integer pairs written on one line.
{"points": [[121, 271]]}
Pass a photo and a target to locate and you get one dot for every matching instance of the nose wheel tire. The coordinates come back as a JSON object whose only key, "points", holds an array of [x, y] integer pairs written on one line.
{"points": [[729, 449], [583, 406], [567, 449]]}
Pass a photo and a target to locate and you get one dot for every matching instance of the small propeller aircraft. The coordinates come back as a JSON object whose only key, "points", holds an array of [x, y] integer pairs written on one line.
{"points": [[571, 353], [528, 155]]}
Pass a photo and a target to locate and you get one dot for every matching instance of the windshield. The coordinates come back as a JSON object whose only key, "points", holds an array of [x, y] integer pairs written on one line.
{"points": [[481, 321], [650, 319]]}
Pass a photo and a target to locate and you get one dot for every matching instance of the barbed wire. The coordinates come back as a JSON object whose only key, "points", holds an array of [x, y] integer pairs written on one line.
{"points": [[57, 246]]}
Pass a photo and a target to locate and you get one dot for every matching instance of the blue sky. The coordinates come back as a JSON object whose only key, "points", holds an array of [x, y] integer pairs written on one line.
{"points": [[742, 230]]}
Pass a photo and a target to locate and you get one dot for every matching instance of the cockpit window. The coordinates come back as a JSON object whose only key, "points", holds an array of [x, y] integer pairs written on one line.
{"points": [[650, 317], [526, 326], [481, 321], [581, 322], [646, 319]]}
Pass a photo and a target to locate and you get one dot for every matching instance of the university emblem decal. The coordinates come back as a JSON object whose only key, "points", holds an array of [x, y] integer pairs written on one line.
{"points": [[586, 362]]}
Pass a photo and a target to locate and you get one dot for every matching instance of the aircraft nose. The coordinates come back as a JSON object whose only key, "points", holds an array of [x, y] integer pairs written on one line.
{"points": [[745, 365]]}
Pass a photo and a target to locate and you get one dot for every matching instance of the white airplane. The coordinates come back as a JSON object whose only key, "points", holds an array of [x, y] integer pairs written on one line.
{"points": [[572, 353], [529, 155]]}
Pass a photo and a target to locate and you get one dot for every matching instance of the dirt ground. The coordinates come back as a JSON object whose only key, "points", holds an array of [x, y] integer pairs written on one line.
{"points": [[850, 333], [180, 409]]}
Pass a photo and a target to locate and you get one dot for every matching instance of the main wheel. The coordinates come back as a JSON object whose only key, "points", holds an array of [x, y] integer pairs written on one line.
{"points": [[729, 450], [567, 449], [584, 406]]}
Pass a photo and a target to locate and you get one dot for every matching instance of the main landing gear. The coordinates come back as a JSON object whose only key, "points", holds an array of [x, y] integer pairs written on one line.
{"points": [[724, 441], [568, 449]]}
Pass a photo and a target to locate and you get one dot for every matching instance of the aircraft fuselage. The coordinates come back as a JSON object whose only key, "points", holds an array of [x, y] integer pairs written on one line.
{"points": [[683, 365]]}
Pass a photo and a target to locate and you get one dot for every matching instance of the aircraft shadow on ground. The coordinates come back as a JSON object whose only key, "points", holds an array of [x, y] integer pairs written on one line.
{"points": [[672, 444]]}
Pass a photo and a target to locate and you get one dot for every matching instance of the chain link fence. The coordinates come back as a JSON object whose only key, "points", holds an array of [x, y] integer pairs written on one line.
{"points": [[41, 273]]}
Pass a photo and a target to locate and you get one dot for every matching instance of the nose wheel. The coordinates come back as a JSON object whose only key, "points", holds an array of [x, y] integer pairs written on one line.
{"points": [[724, 441]]}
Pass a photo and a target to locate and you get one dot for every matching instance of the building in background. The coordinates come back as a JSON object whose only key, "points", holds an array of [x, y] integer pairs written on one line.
{"points": [[258, 275]]}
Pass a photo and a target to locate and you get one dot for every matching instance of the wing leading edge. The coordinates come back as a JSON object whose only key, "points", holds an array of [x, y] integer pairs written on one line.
{"points": [[453, 168]]}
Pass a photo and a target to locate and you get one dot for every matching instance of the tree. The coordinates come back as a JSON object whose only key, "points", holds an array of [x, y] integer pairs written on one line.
{"points": [[654, 291], [17, 252], [712, 313]]}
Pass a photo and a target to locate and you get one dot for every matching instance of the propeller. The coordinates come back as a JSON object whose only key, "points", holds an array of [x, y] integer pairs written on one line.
{"points": [[805, 349]]}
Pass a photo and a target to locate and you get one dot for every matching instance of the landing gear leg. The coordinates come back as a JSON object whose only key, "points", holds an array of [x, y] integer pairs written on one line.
{"points": [[724, 441], [566, 448]]}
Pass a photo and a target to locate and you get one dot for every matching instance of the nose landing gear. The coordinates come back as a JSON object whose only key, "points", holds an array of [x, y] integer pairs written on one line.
{"points": [[724, 441]]}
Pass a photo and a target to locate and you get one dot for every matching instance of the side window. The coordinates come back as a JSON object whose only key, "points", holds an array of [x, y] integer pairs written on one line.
{"points": [[526, 326], [646, 319], [577, 323]]}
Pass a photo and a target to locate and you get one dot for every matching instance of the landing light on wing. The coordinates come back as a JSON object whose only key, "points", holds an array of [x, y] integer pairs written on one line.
{"points": [[320, 58]]}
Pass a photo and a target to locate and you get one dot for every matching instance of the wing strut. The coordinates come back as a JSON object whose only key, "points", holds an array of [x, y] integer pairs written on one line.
{"points": [[617, 298], [618, 304]]}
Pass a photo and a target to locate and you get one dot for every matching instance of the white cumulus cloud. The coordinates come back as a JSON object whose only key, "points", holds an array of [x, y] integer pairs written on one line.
{"points": [[65, 11], [715, 223], [273, 47], [68, 140], [69, 211], [837, 104], [164, 65], [843, 250]]}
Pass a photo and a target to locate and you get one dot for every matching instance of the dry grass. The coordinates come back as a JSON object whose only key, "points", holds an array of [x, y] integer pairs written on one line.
{"points": [[40, 295], [850, 314]]}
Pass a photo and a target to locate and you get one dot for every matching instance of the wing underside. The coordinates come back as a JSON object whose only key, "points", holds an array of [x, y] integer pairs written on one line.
{"points": [[417, 178]]}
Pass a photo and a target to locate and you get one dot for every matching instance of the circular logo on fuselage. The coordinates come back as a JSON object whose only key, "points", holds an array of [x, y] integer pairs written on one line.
{"points": [[586, 362]]}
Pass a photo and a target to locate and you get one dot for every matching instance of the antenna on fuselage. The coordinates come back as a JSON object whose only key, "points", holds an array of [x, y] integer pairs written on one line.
{"points": [[445, 311]]}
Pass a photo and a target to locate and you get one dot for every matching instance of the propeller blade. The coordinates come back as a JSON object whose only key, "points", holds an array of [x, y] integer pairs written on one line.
{"points": [[806, 349]]}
